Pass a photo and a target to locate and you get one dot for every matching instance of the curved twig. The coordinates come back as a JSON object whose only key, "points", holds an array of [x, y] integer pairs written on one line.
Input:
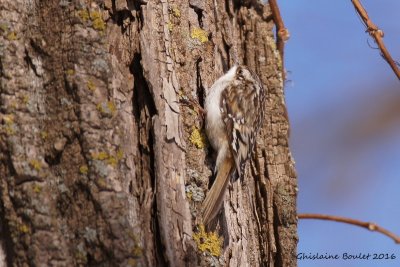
{"points": [[377, 34], [368, 225], [282, 33]]}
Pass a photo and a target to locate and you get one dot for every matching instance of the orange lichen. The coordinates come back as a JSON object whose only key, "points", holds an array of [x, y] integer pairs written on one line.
{"points": [[35, 164], [208, 241], [199, 34], [83, 169], [97, 20], [198, 138]]}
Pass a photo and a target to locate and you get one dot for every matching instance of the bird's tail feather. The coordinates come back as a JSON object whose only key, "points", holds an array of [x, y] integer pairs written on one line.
{"points": [[215, 196]]}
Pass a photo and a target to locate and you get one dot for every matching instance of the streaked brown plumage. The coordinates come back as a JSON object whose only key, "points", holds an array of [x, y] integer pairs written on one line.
{"points": [[234, 112]]}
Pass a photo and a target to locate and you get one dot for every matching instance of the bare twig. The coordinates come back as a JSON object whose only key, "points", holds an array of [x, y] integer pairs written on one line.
{"points": [[282, 32], [368, 225], [377, 34]]}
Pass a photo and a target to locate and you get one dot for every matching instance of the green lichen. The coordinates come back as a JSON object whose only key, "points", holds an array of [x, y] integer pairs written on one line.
{"points": [[23, 228], [12, 36], [13, 104], [132, 263], [83, 14], [3, 28], [132, 236], [83, 169], [100, 108], [199, 34], [111, 106], [209, 242], [189, 195], [9, 130], [101, 182], [97, 20], [44, 135], [35, 164], [9, 126], [110, 159], [99, 25], [80, 257], [100, 155], [70, 72], [25, 99], [170, 26], [8, 119], [120, 154], [90, 85], [95, 17], [107, 108], [37, 188], [198, 138], [176, 12], [137, 251]]}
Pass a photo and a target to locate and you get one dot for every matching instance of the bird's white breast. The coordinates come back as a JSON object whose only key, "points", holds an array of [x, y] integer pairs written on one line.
{"points": [[215, 127]]}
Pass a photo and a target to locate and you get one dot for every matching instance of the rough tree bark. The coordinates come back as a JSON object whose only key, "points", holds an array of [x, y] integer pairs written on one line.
{"points": [[102, 165]]}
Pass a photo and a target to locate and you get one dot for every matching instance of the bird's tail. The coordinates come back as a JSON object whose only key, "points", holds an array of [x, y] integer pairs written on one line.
{"points": [[215, 196]]}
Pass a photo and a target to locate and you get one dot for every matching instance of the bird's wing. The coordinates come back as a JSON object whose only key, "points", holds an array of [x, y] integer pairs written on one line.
{"points": [[240, 109]]}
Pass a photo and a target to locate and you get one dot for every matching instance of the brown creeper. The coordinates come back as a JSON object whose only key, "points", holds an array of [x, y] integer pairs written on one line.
{"points": [[234, 112]]}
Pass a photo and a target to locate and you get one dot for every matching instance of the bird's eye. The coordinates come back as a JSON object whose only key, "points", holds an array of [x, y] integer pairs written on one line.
{"points": [[239, 74]]}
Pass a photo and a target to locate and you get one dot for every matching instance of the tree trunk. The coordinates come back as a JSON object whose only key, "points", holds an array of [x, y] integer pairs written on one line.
{"points": [[101, 163]]}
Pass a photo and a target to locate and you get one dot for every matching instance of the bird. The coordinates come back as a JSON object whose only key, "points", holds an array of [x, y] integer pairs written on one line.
{"points": [[234, 109]]}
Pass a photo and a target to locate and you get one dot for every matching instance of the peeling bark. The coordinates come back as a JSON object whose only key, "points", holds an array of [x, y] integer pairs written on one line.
{"points": [[102, 165]]}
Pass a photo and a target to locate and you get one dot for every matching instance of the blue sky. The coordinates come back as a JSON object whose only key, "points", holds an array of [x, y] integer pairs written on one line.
{"points": [[342, 101]]}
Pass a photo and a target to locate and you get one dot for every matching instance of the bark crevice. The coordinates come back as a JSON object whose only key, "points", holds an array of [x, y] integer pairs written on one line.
{"points": [[201, 92], [5, 231], [199, 11]]}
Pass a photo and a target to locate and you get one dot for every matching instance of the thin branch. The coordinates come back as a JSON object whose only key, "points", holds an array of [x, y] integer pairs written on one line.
{"points": [[377, 34], [368, 225], [282, 32]]}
